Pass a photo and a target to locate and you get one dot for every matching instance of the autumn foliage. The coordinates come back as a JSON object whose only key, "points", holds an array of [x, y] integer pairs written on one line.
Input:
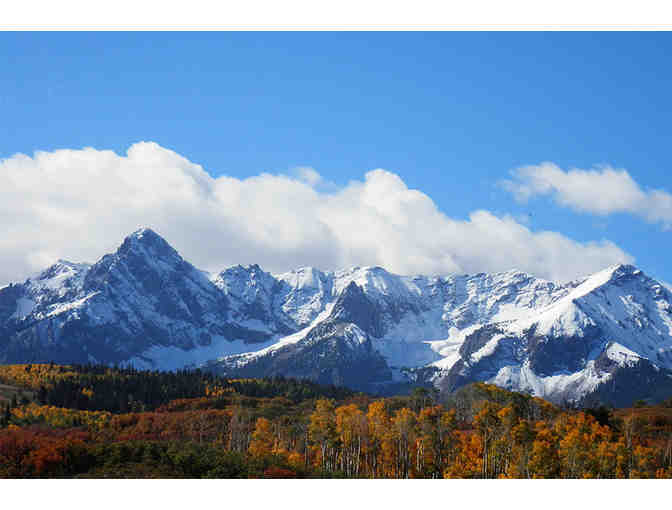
{"points": [[280, 428]]}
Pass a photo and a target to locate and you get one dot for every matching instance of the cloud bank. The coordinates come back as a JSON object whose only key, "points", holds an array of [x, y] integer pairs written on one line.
{"points": [[600, 191], [80, 204]]}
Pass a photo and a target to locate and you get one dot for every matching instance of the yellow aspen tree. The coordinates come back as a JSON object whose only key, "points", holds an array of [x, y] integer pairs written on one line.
{"points": [[435, 428], [380, 452], [350, 427], [403, 424], [583, 446], [322, 432], [427, 441], [447, 437], [522, 435], [544, 461], [468, 458], [645, 463], [487, 422], [503, 443]]}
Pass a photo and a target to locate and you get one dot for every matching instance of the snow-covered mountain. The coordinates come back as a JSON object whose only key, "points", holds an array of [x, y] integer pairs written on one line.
{"points": [[143, 304], [605, 338]]}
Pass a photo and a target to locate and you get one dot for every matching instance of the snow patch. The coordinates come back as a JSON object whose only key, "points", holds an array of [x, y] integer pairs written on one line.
{"points": [[246, 356], [64, 307], [622, 355], [487, 350], [175, 358], [354, 335], [558, 387]]}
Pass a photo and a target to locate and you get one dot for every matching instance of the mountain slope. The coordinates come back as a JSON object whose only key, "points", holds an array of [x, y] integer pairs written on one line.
{"points": [[144, 303], [584, 340], [613, 325], [607, 337]]}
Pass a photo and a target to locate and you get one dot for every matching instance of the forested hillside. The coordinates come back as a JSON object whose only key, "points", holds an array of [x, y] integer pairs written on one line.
{"points": [[96, 421]]}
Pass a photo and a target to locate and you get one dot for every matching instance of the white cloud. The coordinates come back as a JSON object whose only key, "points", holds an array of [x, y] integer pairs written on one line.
{"points": [[309, 175], [79, 204], [600, 191]]}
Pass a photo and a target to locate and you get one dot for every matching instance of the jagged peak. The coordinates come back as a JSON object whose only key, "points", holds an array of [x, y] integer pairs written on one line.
{"points": [[141, 231], [60, 267], [353, 305], [352, 288], [146, 239], [364, 273], [248, 269], [615, 272], [518, 273], [239, 279], [345, 297], [612, 275], [303, 270], [512, 275], [623, 268], [139, 251], [144, 233], [348, 293], [375, 269]]}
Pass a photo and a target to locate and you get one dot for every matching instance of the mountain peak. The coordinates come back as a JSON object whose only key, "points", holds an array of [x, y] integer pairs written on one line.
{"points": [[353, 305], [619, 271], [611, 273], [142, 232], [143, 252], [57, 274], [145, 239], [623, 268]]}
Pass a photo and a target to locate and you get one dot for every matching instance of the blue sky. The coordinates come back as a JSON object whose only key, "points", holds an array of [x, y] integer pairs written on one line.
{"points": [[451, 114]]}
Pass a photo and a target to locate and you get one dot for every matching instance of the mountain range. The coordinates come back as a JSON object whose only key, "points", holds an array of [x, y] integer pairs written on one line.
{"points": [[603, 338]]}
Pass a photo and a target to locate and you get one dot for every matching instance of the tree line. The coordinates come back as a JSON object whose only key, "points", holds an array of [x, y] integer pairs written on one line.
{"points": [[268, 428]]}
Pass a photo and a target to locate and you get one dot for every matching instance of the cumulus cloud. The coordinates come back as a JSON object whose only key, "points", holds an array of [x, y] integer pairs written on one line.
{"points": [[309, 175], [599, 191], [80, 204]]}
